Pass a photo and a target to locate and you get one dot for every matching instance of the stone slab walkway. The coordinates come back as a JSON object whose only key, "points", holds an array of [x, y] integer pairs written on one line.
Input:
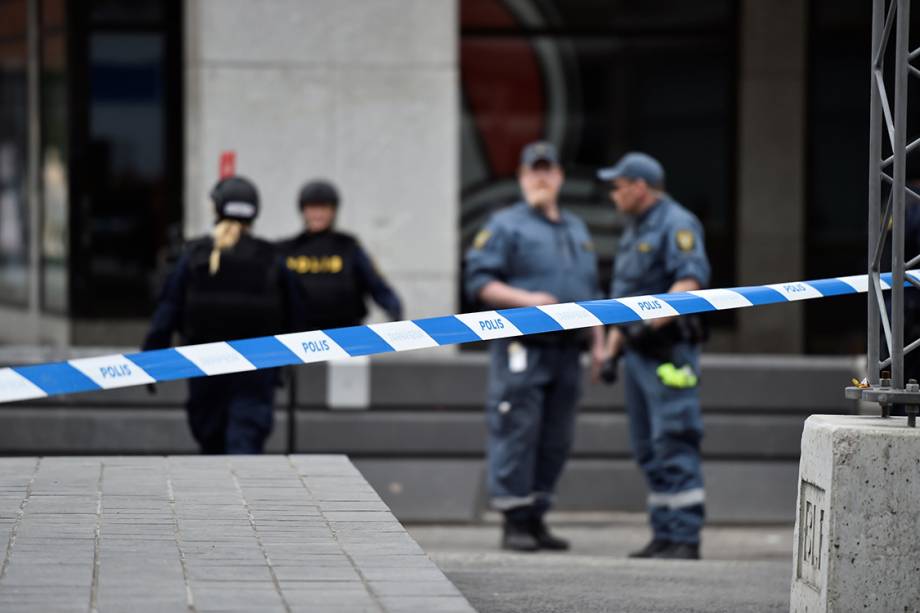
{"points": [[229, 533]]}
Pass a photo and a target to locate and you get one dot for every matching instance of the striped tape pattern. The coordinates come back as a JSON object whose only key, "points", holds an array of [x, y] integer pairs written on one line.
{"points": [[124, 370]]}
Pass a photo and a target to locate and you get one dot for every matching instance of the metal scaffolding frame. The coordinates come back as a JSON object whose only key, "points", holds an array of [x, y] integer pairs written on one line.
{"points": [[889, 118]]}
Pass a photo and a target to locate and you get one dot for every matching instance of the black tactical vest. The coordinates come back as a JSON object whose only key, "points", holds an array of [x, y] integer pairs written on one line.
{"points": [[332, 288], [244, 299]]}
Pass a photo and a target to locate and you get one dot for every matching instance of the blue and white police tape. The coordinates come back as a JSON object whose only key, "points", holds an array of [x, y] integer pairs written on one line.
{"points": [[124, 370]]}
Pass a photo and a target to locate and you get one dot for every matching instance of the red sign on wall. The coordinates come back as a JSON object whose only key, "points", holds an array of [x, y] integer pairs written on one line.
{"points": [[227, 164]]}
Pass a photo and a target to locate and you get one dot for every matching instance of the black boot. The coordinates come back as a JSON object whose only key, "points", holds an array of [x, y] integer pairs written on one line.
{"points": [[651, 550], [517, 536], [544, 538], [679, 551]]}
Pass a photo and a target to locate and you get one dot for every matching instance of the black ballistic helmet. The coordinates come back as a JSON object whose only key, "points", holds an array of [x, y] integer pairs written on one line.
{"points": [[235, 198], [318, 191]]}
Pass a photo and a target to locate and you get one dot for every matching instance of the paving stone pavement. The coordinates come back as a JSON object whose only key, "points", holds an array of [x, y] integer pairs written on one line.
{"points": [[200, 534]]}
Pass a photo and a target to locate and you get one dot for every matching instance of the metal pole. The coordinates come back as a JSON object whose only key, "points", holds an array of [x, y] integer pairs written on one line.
{"points": [[900, 169], [292, 411], [888, 120], [34, 159], [875, 190]]}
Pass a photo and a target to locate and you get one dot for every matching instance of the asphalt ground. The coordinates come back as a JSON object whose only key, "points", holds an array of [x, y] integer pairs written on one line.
{"points": [[744, 568]]}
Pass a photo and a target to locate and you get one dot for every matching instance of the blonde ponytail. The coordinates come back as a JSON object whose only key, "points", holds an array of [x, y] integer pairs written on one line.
{"points": [[226, 235]]}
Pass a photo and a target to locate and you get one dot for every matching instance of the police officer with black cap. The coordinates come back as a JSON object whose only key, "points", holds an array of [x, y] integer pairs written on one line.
{"points": [[336, 275], [531, 254], [228, 285]]}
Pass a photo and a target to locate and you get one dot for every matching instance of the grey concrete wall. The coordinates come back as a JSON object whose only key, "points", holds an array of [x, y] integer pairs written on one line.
{"points": [[771, 180], [362, 92]]}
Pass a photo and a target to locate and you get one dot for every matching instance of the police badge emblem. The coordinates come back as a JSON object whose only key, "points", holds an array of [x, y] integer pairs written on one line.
{"points": [[685, 240]]}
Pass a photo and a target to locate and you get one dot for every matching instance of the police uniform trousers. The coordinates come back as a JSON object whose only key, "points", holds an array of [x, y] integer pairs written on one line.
{"points": [[530, 410], [232, 413], [666, 428]]}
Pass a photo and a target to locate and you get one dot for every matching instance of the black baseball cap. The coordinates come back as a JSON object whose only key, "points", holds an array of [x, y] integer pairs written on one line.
{"points": [[540, 151], [237, 198]]}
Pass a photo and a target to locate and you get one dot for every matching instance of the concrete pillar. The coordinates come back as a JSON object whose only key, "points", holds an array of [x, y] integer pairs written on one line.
{"points": [[857, 542], [363, 93], [771, 184]]}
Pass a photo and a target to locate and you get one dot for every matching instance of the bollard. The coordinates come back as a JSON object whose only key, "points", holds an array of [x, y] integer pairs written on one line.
{"points": [[857, 546]]}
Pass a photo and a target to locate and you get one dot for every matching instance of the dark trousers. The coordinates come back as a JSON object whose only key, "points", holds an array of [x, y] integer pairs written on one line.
{"points": [[531, 417], [665, 428], [232, 413]]}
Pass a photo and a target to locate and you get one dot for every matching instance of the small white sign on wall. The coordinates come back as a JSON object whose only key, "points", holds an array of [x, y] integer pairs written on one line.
{"points": [[348, 383]]}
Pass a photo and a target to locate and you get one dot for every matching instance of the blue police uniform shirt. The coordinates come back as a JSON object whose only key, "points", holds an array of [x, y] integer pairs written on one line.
{"points": [[519, 246], [659, 248]]}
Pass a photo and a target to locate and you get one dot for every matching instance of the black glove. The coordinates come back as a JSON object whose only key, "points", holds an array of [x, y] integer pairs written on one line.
{"points": [[610, 371]]}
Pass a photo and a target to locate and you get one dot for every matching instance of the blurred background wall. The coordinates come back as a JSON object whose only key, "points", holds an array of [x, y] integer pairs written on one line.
{"points": [[362, 92], [114, 113]]}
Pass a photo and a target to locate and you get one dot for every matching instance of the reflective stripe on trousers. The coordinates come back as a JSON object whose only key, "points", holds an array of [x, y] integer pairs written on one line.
{"points": [[506, 503], [687, 498]]}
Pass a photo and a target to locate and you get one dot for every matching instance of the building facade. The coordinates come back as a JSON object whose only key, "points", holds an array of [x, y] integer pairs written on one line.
{"points": [[114, 115]]}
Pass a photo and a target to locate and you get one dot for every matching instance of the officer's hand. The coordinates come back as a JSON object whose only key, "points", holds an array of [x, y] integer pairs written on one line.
{"points": [[610, 371], [541, 298], [599, 355]]}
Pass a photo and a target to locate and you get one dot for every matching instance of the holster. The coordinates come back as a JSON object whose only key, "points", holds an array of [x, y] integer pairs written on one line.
{"points": [[657, 344], [579, 338]]}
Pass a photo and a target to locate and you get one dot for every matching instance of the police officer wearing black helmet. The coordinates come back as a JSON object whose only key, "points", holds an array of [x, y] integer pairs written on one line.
{"points": [[336, 274], [228, 285]]}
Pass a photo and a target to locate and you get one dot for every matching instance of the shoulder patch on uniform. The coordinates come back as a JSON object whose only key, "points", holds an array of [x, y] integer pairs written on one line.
{"points": [[686, 240], [644, 247], [588, 246], [481, 239]]}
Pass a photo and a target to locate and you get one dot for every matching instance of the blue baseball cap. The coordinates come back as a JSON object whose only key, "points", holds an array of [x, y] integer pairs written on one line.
{"points": [[635, 165], [540, 151]]}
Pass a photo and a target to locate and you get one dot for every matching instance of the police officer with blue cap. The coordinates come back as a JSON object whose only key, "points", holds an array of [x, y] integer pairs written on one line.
{"points": [[661, 251], [530, 254]]}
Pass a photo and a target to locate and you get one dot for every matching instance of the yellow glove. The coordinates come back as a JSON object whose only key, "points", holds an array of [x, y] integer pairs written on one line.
{"points": [[678, 378]]}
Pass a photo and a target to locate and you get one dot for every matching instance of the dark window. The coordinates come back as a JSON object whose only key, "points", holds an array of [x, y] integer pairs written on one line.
{"points": [[838, 163], [126, 167], [599, 78]]}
